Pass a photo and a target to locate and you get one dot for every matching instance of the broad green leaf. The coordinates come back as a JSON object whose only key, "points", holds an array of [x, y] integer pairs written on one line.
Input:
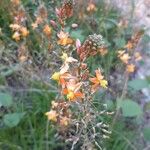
{"points": [[12, 120], [146, 132], [138, 84], [146, 38], [147, 106], [5, 99], [129, 108]]}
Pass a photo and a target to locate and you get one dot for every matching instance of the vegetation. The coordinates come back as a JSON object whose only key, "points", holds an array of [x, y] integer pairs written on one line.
{"points": [[67, 77]]}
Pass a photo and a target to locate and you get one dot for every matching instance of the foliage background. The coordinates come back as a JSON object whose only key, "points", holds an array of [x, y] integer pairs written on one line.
{"points": [[26, 90]]}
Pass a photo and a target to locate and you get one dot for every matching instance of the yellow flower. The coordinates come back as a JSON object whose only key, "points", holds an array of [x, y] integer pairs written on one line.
{"points": [[56, 76], [16, 36], [130, 68], [64, 56], [103, 83], [68, 59], [70, 95], [52, 115]]}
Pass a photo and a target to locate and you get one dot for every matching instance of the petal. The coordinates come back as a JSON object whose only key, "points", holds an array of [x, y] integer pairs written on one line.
{"points": [[98, 74], [65, 91], [94, 80], [77, 87], [64, 68], [78, 43], [71, 59], [79, 95], [62, 82], [69, 41]]}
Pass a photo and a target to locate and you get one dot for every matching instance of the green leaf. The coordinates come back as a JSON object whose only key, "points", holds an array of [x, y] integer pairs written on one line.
{"points": [[120, 42], [5, 99], [12, 120], [146, 132], [110, 23], [77, 34], [138, 84], [146, 38], [129, 108]]}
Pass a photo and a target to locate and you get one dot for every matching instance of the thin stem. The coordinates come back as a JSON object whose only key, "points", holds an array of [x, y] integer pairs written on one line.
{"points": [[46, 135], [124, 91]]}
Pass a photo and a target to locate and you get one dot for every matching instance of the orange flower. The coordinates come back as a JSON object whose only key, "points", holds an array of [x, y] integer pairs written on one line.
{"points": [[72, 91], [24, 31], [91, 7], [103, 51], [64, 39], [52, 115], [39, 20], [120, 53], [15, 2], [47, 30], [98, 81], [14, 27], [23, 58], [138, 56], [54, 104], [125, 58], [34, 25], [130, 68], [129, 45], [64, 121], [61, 78]]}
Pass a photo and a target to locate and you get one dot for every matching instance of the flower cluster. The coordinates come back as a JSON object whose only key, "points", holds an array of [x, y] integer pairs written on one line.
{"points": [[19, 31], [129, 56], [77, 86], [59, 113], [64, 12], [19, 26], [75, 83]]}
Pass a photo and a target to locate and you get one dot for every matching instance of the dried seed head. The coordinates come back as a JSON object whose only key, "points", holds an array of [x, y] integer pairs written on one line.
{"points": [[91, 46], [66, 11], [42, 12], [95, 41]]}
